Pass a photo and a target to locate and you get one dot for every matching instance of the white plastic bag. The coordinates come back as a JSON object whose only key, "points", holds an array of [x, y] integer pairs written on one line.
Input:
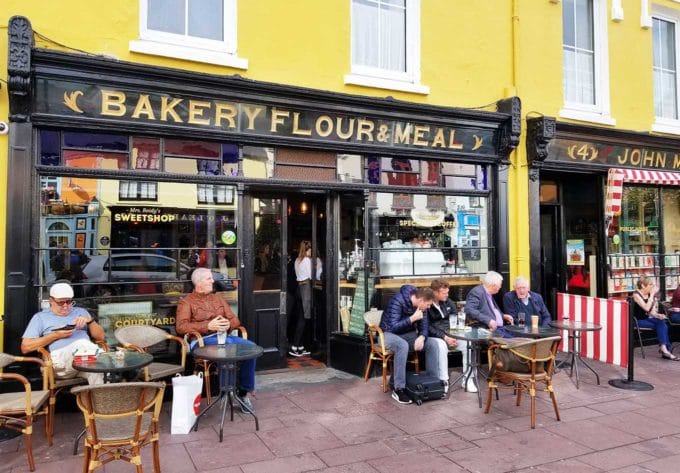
{"points": [[186, 402]]}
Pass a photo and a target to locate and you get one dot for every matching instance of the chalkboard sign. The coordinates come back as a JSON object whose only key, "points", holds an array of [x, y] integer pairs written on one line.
{"points": [[356, 320]]}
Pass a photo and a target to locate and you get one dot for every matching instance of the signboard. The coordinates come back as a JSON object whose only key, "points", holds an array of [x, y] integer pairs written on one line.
{"points": [[576, 253], [123, 314], [88, 100], [614, 155], [357, 325]]}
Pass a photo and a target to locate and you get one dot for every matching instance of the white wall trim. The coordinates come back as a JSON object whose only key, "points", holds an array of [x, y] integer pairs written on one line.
{"points": [[220, 58], [384, 83], [587, 116]]}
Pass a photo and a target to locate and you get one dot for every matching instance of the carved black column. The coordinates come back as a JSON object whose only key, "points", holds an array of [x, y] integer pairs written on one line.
{"points": [[508, 139], [20, 36], [18, 288], [540, 131]]}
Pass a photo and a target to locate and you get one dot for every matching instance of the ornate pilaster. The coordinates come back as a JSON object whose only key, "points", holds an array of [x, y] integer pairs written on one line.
{"points": [[509, 132], [540, 131], [20, 35]]}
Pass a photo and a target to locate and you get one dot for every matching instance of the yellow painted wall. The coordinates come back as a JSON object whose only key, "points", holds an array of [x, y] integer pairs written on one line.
{"points": [[469, 58]]}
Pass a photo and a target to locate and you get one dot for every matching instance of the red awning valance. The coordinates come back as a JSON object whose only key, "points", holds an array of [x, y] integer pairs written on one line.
{"points": [[617, 176]]}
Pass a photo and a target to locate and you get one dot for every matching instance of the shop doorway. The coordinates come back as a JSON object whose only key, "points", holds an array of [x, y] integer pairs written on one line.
{"points": [[571, 235], [276, 225]]}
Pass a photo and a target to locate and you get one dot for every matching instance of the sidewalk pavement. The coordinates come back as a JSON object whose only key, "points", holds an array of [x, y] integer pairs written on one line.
{"points": [[325, 420]]}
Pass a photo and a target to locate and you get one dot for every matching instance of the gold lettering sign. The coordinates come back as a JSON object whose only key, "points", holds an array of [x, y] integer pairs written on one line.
{"points": [[271, 119]]}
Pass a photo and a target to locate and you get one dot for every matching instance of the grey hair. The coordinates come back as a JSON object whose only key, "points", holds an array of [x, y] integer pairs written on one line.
{"points": [[518, 280], [492, 278], [198, 275]]}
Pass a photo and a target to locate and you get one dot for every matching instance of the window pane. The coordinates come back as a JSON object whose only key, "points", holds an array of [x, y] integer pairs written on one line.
{"points": [[229, 159], [258, 162], [584, 24], [379, 34], [166, 15], [430, 173], [146, 153], [568, 33], [373, 170], [50, 148], [350, 168], [365, 33], [199, 167], [199, 149], [95, 160], [96, 141], [393, 38], [206, 18]]}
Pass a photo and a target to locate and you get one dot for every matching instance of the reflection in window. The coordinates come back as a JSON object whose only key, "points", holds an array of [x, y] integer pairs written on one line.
{"points": [[103, 141], [215, 194], [133, 190], [258, 162], [50, 148], [192, 148], [350, 168], [146, 153], [95, 160]]}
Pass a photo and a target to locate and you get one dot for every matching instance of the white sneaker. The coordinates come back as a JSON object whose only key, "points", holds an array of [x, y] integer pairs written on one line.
{"points": [[471, 388], [446, 388], [294, 351], [303, 352]]}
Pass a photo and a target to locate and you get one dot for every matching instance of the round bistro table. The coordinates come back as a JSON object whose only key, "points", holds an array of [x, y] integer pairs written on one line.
{"points": [[227, 358], [527, 332], [475, 336], [574, 329]]}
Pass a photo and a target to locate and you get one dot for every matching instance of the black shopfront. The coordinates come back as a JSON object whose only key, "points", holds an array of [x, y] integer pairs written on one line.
{"points": [[124, 177], [593, 237]]}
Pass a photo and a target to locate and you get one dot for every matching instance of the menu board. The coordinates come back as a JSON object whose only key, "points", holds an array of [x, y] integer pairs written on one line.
{"points": [[356, 320]]}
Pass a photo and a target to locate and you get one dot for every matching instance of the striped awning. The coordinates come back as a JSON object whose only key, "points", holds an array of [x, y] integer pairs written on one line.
{"points": [[617, 176]]}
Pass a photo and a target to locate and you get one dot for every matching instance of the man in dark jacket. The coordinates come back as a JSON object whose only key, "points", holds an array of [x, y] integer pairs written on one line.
{"points": [[405, 327], [438, 318], [526, 301]]}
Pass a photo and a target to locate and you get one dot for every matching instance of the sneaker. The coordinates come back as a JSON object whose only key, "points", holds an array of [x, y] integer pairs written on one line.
{"points": [[294, 351], [401, 397], [471, 388], [446, 388], [246, 400], [303, 352]]}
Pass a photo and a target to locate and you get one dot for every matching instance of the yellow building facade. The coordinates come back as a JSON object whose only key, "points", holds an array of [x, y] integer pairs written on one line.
{"points": [[452, 59]]}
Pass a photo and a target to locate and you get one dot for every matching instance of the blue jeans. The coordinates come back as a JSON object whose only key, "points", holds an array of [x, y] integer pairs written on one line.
{"points": [[661, 328], [246, 373]]}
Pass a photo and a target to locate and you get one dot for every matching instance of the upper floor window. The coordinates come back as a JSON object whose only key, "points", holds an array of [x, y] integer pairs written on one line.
{"points": [[585, 65], [386, 45], [664, 45], [195, 30]]}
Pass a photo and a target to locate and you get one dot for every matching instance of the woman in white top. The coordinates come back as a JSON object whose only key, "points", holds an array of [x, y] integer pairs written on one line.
{"points": [[303, 275]]}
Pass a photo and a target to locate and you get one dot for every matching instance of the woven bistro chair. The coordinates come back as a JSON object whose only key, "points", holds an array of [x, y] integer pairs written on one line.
{"points": [[17, 409], [378, 350], [520, 366], [55, 384], [207, 366], [141, 337], [120, 419]]}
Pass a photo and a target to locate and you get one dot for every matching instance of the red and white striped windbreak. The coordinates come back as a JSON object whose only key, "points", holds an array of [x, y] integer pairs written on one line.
{"points": [[609, 344], [616, 177]]}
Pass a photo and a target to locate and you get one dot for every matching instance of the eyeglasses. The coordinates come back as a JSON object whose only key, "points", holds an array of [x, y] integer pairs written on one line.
{"points": [[63, 303]]}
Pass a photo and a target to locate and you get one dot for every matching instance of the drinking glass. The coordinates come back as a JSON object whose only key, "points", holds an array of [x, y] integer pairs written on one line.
{"points": [[521, 318], [221, 337]]}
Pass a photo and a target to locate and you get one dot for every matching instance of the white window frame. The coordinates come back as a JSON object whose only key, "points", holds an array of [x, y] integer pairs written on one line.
{"points": [[160, 43], [408, 81], [661, 124], [600, 112]]}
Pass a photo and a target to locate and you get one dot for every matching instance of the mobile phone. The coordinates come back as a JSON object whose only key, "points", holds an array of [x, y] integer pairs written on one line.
{"points": [[66, 327]]}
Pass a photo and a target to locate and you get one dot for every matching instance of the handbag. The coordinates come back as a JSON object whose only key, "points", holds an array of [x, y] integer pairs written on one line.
{"points": [[186, 402]]}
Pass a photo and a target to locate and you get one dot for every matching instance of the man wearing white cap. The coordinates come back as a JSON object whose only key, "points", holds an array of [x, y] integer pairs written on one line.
{"points": [[65, 330]]}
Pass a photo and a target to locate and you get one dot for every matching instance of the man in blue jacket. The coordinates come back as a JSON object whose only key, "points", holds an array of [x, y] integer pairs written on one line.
{"points": [[524, 300], [405, 328]]}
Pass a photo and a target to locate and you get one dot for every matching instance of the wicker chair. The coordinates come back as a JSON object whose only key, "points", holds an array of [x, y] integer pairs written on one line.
{"points": [[17, 409], [140, 338], [537, 360], [205, 365], [120, 419], [378, 350], [56, 385]]}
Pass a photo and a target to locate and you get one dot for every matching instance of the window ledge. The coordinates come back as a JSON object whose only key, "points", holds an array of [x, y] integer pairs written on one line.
{"points": [[587, 116], [671, 127], [220, 58], [390, 84]]}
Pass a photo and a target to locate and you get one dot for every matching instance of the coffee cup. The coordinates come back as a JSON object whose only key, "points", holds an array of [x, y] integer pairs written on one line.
{"points": [[534, 321]]}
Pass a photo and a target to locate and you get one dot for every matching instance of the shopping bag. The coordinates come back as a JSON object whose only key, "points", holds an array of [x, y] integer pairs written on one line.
{"points": [[186, 402]]}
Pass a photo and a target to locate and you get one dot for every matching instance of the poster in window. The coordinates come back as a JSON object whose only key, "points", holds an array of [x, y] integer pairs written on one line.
{"points": [[576, 253], [81, 224], [80, 241]]}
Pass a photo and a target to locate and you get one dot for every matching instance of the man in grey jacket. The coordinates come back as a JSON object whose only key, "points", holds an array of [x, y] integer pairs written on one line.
{"points": [[481, 306]]}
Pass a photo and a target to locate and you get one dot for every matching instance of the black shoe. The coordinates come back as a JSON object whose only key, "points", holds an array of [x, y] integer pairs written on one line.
{"points": [[401, 397]]}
